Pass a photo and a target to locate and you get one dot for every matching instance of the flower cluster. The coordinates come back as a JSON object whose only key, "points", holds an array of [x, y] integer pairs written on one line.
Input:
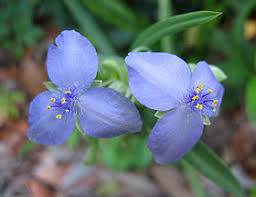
{"points": [[160, 81]]}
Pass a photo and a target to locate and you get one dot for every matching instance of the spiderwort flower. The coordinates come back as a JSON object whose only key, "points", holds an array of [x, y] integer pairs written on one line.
{"points": [[162, 81], [103, 113]]}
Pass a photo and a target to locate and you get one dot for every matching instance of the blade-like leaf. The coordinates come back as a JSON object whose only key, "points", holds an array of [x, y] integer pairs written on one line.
{"points": [[172, 25], [193, 180], [27, 147], [89, 26], [210, 165], [251, 101], [114, 12]]}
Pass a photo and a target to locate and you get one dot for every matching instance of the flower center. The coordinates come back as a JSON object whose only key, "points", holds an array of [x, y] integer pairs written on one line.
{"points": [[63, 103], [201, 98]]}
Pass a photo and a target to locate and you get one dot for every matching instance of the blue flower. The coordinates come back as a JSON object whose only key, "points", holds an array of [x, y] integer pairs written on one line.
{"points": [[162, 81], [103, 113]]}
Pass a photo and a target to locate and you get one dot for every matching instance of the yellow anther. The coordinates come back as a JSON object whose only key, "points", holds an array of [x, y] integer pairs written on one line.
{"points": [[201, 86], [66, 110], [68, 92], [63, 100], [197, 90], [53, 100], [210, 91], [199, 106], [214, 110], [59, 116], [215, 102], [195, 97], [48, 107]]}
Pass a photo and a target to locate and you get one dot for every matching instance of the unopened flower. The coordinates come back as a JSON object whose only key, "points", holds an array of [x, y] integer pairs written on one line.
{"points": [[163, 82], [102, 112]]}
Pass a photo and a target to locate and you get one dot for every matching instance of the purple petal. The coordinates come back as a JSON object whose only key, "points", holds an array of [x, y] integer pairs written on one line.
{"points": [[175, 134], [204, 75], [105, 113], [156, 79], [45, 128], [73, 61]]}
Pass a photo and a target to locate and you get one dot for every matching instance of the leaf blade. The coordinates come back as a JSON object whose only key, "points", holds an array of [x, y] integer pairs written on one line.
{"points": [[172, 25], [89, 26], [209, 164]]}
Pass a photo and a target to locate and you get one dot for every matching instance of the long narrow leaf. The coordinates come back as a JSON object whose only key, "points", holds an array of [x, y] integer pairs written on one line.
{"points": [[114, 12], [89, 26], [27, 147], [172, 25], [209, 164], [193, 180]]}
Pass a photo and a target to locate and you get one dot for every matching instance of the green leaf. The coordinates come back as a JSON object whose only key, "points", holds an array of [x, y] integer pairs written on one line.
{"points": [[193, 180], [210, 165], [172, 25], [238, 27], [114, 12], [89, 26], [27, 147], [51, 86], [219, 74], [253, 191], [251, 101], [255, 59], [127, 151]]}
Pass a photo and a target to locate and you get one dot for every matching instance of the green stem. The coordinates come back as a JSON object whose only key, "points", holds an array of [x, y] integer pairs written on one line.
{"points": [[164, 11]]}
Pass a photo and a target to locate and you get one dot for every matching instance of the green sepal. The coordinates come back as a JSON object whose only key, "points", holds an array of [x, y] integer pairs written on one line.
{"points": [[160, 114], [206, 120], [51, 86], [97, 83]]}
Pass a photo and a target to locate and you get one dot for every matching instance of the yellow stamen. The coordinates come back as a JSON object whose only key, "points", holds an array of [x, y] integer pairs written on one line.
{"points": [[48, 107], [66, 110], [199, 106], [215, 102], [201, 86], [59, 116], [53, 100], [68, 92], [210, 91], [63, 100], [214, 110], [197, 90], [195, 97]]}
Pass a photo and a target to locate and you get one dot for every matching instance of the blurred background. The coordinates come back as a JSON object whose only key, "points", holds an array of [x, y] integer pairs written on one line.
{"points": [[118, 167]]}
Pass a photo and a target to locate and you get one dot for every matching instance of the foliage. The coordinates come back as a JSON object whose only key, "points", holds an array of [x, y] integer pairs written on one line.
{"points": [[112, 25], [9, 99]]}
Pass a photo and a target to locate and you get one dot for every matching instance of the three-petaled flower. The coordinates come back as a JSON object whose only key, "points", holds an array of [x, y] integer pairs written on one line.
{"points": [[72, 65], [163, 82]]}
